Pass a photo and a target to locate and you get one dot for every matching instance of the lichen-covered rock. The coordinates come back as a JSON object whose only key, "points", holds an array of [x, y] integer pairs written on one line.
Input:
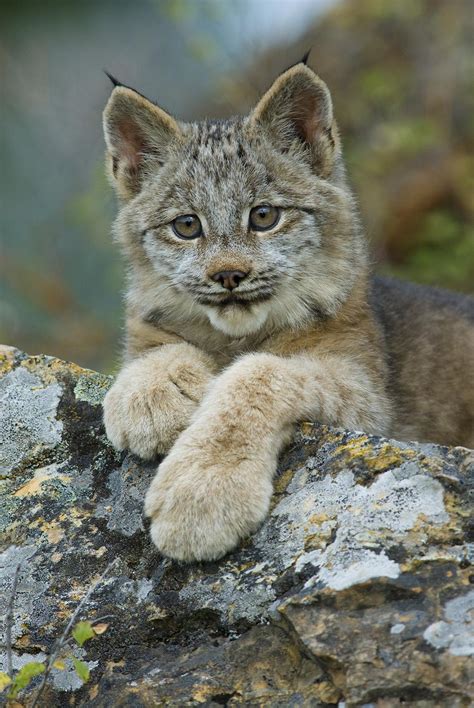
{"points": [[356, 589]]}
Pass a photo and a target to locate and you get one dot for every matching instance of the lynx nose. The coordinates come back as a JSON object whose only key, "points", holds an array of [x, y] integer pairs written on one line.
{"points": [[229, 279]]}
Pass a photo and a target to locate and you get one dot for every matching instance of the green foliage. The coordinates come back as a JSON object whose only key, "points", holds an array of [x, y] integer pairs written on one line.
{"points": [[382, 87], [82, 632], [444, 253], [5, 681], [24, 677], [82, 670], [406, 138]]}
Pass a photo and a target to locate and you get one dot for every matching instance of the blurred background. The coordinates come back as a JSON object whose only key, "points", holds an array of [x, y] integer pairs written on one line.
{"points": [[401, 77]]}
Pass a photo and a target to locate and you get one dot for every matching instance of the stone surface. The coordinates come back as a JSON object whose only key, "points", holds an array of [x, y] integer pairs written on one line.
{"points": [[355, 591]]}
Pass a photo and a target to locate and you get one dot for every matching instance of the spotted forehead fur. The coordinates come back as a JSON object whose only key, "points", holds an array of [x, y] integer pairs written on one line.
{"points": [[220, 171], [220, 145], [224, 160]]}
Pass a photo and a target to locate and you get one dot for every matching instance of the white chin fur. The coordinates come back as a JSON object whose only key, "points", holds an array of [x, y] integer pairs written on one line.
{"points": [[237, 321]]}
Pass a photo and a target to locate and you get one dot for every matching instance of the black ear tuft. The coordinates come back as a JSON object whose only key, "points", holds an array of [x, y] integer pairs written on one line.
{"points": [[304, 60], [115, 81], [118, 84]]}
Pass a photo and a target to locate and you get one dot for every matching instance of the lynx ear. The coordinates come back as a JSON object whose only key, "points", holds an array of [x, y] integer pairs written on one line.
{"points": [[137, 134], [297, 111]]}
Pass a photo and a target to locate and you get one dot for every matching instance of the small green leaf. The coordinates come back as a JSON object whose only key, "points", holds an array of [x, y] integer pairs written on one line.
{"points": [[82, 632], [82, 670], [5, 681], [24, 677]]}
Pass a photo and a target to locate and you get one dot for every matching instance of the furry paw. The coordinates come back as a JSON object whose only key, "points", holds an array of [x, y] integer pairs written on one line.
{"points": [[202, 503], [153, 399]]}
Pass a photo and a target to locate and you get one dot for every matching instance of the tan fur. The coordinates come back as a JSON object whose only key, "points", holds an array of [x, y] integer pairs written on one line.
{"points": [[154, 397], [222, 382]]}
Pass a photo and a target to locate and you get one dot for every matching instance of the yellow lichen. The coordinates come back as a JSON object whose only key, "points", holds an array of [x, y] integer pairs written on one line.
{"points": [[23, 642], [328, 693], [319, 518], [53, 531], [33, 486], [156, 613], [50, 370], [306, 428], [201, 694], [7, 356], [282, 481], [373, 459], [93, 692], [76, 516], [317, 541]]}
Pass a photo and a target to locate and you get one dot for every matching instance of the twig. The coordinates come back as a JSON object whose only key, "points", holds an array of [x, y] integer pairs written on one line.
{"points": [[9, 622], [101, 619], [59, 643]]}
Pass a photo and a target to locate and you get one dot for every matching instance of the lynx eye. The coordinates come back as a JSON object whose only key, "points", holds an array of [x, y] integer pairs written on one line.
{"points": [[187, 226], [264, 217]]}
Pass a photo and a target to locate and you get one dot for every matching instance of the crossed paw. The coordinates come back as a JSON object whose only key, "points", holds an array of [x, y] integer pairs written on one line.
{"points": [[153, 399], [204, 499]]}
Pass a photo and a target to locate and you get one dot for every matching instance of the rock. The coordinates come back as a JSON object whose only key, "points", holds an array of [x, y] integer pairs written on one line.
{"points": [[355, 590]]}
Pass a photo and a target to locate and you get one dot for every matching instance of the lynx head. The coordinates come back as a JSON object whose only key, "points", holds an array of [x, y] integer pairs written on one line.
{"points": [[246, 222]]}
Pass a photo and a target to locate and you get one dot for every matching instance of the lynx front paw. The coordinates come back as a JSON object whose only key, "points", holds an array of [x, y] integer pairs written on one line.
{"points": [[201, 506], [152, 401]]}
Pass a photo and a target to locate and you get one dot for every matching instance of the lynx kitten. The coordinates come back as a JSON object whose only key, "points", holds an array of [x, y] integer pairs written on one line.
{"points": [[250, 306]]}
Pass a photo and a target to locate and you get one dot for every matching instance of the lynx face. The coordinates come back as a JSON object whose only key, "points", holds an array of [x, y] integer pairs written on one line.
{"points": [[246, 221]]}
